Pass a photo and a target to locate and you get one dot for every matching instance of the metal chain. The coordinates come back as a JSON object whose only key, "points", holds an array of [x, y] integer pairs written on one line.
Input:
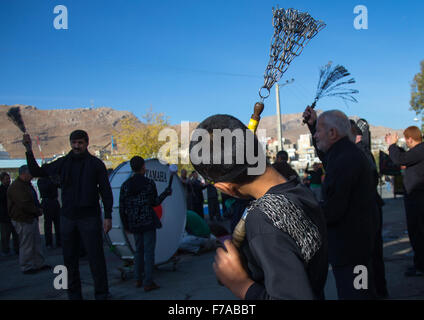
{"points": [[292, 32]]}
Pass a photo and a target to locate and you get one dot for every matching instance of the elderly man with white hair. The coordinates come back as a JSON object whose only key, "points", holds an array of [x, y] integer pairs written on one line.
{"points": [[348, 203]]}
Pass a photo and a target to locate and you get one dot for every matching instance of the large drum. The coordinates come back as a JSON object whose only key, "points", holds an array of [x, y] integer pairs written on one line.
{"points": [[172, 213]]}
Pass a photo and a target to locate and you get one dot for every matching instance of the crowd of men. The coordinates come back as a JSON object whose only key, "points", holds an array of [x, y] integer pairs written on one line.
{"points": [[293, 230], [292, 234]]}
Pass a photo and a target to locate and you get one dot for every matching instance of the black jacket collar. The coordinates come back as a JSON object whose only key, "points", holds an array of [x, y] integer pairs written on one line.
{"points": [[339, 145]]}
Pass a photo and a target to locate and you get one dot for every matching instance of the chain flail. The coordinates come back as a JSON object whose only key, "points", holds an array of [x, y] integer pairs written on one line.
{"points": [[292, 32]]}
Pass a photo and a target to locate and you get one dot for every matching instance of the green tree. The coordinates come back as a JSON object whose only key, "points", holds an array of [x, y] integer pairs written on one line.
{"points": [[139, 138], [417, 95]]}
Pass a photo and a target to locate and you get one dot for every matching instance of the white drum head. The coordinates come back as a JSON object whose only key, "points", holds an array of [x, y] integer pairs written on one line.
{"points": [[173, 215]]}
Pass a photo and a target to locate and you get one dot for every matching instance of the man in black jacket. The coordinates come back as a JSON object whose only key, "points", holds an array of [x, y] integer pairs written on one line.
{"points": [[213, 203], [187, 188], [6, 227], [82, 177], [197, 194], [137, 198], [284, 253], [51, 210], [377, 256], [413, 181], [316, 179], [348, 203]]}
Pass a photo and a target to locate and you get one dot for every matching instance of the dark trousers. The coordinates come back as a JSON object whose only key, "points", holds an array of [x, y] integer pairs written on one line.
{"points": [[89, 230], [414, 209], [345, 280], [51, 218], [144, 257], [378, 258], [7, 230], [213, 208]]}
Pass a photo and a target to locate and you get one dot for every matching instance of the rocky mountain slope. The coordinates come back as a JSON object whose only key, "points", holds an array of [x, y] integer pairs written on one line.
{"points": [[53, 128]]}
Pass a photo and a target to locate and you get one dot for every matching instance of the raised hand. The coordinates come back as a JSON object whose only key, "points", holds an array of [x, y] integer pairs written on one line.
{"points": [[310, 116], [391, 138], [26, 141]]}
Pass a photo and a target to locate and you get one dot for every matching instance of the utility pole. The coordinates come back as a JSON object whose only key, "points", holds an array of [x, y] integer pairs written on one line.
{"points": [[277, 95]]}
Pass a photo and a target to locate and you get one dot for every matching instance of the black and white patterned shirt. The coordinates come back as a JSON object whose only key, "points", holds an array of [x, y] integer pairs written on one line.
{"points": [[286, 245]]}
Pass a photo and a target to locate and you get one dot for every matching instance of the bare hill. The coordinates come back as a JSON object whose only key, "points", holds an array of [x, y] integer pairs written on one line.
{"points": [[54, 126]]}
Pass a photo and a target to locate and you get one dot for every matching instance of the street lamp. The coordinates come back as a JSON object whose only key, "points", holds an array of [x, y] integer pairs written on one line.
{"points": [[277, 93]]}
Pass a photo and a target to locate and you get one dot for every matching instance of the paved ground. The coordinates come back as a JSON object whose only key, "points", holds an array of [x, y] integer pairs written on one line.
{"points": [[194, 279]]}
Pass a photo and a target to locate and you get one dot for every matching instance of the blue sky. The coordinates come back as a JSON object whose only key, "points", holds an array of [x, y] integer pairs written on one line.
{"points": [[192, 59]]}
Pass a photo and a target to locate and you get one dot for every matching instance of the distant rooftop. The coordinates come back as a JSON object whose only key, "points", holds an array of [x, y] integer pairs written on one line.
{"points": [[14, 163], [3, 153]]}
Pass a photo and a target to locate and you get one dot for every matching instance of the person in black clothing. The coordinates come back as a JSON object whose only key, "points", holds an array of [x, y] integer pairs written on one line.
{"points": [[6, 227], [306, 180], [82, 178], [138, 196], [377, 256], [213, 203], [284, 253], [414, 186], [51, 210], [348, 202], [316, 179], [225, 212], [187, 189], [197, 194]]}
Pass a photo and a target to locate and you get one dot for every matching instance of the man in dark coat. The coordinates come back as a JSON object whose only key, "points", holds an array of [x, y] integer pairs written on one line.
{"points": [[414, 186], [197, 194], [187, 188], [213, 203], [348, 203], [377, 256], [82, 178], [6, 227], [225, 210], [316, 179], [51, 210]]}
